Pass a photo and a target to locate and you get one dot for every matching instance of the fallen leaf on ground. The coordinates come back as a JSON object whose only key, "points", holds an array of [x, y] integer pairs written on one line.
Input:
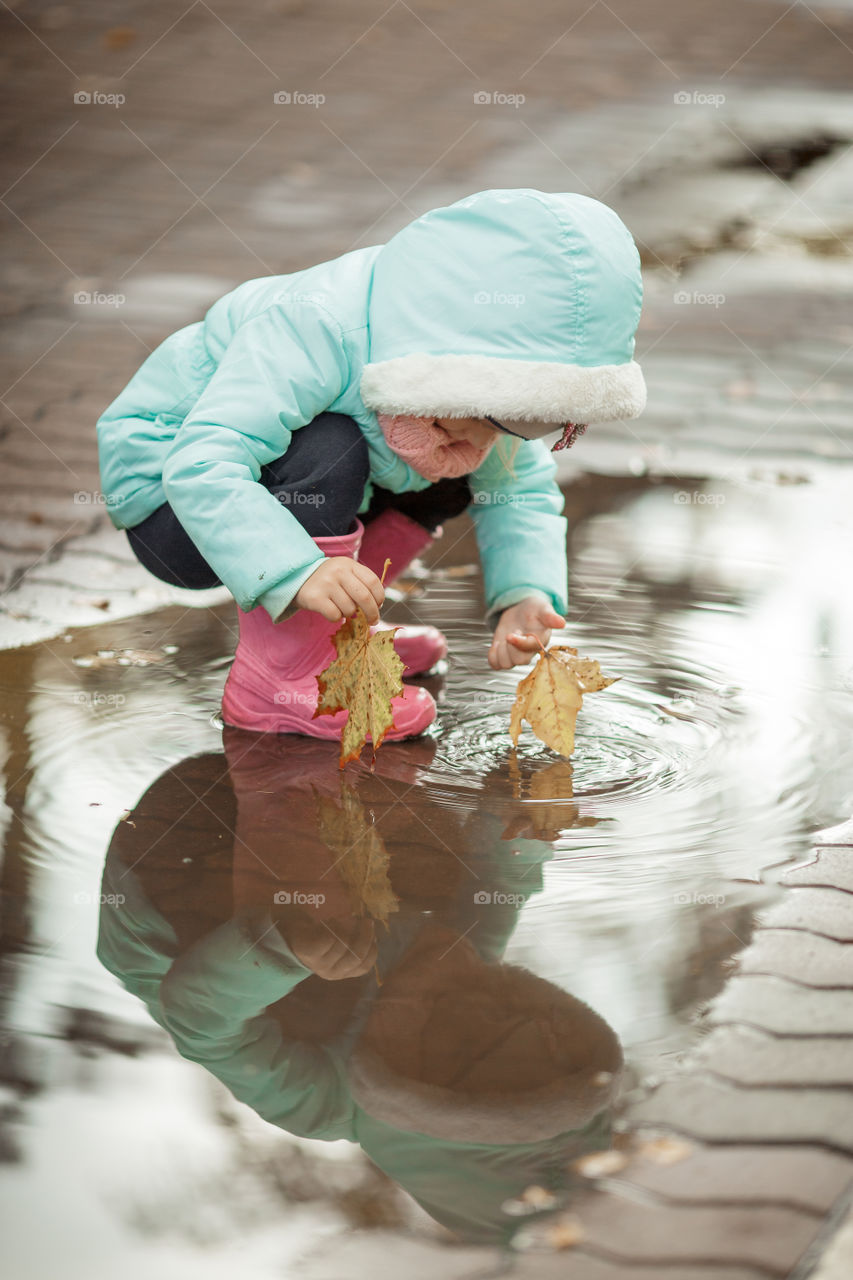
{"points": [[598, 1164], [363, 856], [551, 695], [362, 680], [565, 1233], [665, 1150]]}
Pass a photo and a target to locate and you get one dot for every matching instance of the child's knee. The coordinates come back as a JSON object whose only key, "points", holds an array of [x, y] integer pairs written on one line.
{"points": [[339, 441], [329, 451]]}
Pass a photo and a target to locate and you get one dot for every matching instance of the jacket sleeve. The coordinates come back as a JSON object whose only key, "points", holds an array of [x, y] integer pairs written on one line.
{"points": [[279, 371], [521, 531], [213, 1004]]}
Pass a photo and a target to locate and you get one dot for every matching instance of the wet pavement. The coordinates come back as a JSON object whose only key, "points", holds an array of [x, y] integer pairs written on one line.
{"points": [[678, 896], [626, 879]]}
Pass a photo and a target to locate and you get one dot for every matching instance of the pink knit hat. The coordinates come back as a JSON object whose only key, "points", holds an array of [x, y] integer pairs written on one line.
{"points": [[428, 448]]}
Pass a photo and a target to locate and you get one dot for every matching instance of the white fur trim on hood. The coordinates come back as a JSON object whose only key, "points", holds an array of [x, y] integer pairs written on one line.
{"points": [[570, 1102], [454, 386]]}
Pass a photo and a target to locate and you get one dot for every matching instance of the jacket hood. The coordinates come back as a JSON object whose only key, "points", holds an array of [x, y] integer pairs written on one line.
{"points": [[514, 303]]}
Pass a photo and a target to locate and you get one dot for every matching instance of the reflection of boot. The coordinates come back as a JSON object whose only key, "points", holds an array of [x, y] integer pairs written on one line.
{"points": [[393, 536], [272, 685]]}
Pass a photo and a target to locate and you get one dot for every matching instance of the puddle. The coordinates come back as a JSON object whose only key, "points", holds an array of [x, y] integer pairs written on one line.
{"points": [[530, 914]]}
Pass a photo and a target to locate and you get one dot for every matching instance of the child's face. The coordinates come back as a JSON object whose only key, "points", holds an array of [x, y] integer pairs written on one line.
{"points": [[475, 431]]}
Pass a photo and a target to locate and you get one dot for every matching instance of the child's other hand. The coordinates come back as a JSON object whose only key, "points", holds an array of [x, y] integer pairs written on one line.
{"points": [[338, 587], [517, 632], [332, 949]]}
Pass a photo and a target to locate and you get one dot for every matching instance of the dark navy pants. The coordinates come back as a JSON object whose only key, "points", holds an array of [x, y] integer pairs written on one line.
{"points": [[321, 481]]}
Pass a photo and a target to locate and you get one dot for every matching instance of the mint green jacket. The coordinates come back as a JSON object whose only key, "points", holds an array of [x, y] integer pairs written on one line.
{"points": [[517, 303]]}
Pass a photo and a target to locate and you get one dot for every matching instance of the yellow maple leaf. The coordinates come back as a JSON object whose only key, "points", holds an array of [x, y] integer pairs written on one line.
{"points": [[551, 695], [362, 680]]}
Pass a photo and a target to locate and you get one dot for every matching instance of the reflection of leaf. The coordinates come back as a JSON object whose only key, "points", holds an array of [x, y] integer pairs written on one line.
{"points": [[363, 679], [550, 696], [552, 810], [363, 857]]}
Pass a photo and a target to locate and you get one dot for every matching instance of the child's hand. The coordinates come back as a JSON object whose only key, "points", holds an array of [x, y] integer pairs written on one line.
{"points": [[518, 628], [338, 587], [332, 949]]}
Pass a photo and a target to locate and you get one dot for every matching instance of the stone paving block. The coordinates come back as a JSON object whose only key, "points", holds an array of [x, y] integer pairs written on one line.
{"points": [[825, 911], [723, 1113], [841, 833], [808, 958], [829, 867], [769, 1240], [837, 1261], [752, 1057], [811, 1180], [384, 1255], [783, 1007], [575, 1264]]}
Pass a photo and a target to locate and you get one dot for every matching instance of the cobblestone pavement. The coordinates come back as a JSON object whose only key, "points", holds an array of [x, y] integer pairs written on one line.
{"points": [[723, 136]]}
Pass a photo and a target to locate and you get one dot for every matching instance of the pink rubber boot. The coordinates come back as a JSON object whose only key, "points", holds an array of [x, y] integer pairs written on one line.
{"points": [[272, 686], [394, 536]]}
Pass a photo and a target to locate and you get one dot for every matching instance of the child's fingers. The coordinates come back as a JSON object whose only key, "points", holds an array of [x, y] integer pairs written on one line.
{"points": [[362, 596], [371, 581], [550, 618], [524, 640]]}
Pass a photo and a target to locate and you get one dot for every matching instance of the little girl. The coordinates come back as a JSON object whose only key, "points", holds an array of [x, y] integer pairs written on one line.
{"points": [[315, 424]]}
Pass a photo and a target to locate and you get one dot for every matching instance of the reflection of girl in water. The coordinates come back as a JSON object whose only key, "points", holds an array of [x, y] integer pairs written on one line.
{"points": [[463, 1078]]}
